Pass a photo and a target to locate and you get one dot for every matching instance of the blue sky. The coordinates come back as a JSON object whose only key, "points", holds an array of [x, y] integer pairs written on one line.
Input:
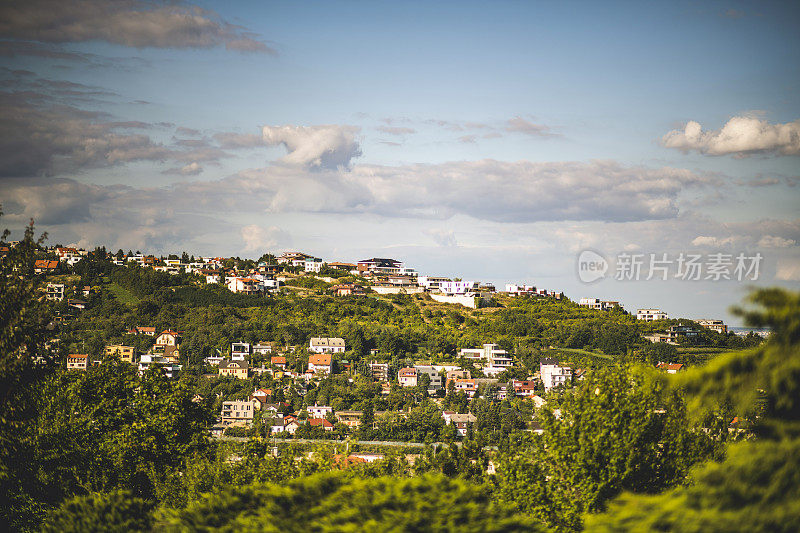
{"points": [[491, 141]]}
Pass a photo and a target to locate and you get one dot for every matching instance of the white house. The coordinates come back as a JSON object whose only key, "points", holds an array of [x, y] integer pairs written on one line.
{"points": [[319, 411], [553, 374], [649, 315], [496, 360], [431, 283], [458, 287], [239, 351], [597, 303], [313, 264], [326, 344]]}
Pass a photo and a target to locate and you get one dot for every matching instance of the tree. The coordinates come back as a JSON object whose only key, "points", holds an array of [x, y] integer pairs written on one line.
{"points": [[757, 486], [118, 511], [23, 366], [620, 429], [332, 502]]}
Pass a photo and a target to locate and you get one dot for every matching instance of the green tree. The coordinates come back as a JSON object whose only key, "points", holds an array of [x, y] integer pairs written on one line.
{"points": [[118, 511]]}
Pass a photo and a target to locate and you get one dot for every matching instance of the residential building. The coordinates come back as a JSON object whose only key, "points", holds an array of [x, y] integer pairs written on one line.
{"points": [[55, 291], [524, 388], [343, 266], [714, 325], [407, 377], [77, 304], [320, 422], [278, 361], [326, 345], [320, 363], [380, 371], [380, 265], [670, 368], [169, 369], [553, 374], [313, 264], [462, 422], [520, 290], [43, 266], [240, 351], [597, 303], [457, 374], [294, 259], [431, 283], [125, 353], [168, 338], [319, 411], [239, 412], [649, 315], [676, 333], [494, 360], [244, 285], [348, 289], [237, 369], [144, 330], [458, 287], [351, 419], [77, 361], [262, 348], [435, 378]]}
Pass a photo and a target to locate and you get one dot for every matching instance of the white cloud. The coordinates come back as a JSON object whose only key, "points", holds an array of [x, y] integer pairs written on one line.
{"points": [[712, 242], [258, 238], [741, 136], [770, 241], [192, 169], [396, 130], [329, 146]]}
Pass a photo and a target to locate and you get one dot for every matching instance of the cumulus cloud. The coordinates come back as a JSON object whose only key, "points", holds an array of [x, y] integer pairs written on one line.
{"points": [[135, 23], [712, 242], [50, 201], [258, 238], [329, 146], [740, 136], [771, 241]]}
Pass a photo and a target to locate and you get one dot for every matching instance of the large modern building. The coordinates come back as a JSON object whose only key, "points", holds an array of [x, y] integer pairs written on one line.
{"points": [[492, 358], [649, 315], [553, 374]]}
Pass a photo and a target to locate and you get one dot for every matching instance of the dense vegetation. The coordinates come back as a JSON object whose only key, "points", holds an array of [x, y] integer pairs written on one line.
{"points": [[628, 448]]}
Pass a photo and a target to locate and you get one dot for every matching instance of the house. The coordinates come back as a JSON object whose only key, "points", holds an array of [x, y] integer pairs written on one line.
{"points": [[77, 304], [650, 315], [348, 289], [320, 422], [239, 351], [379, 266], [168, 338], [465, 385], [461, 422], [144, 330], [77, 361], [454, 288], [457, 374], [407, 377], [167, 366], [278, 361], [262, 348], [495, 360], [553, 374], [125, 353], [69, 255], [523, 388], [290, 425], [597, 303], [670, 368], [319, 411], [435, 379], [351, 419], [343, 266], [55, 291], [43, 266], [326, 345], [243, 285], [262, 393], [275, 424], [239, 412], [714, 325], [431, 283], [313, 264], [320, 363], [296, 259], [675, 333], [380, 371], [237, 369], [171, 354]]}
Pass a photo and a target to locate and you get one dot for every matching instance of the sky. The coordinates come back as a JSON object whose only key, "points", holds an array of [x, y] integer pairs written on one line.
{"points": [[491, 141]]}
